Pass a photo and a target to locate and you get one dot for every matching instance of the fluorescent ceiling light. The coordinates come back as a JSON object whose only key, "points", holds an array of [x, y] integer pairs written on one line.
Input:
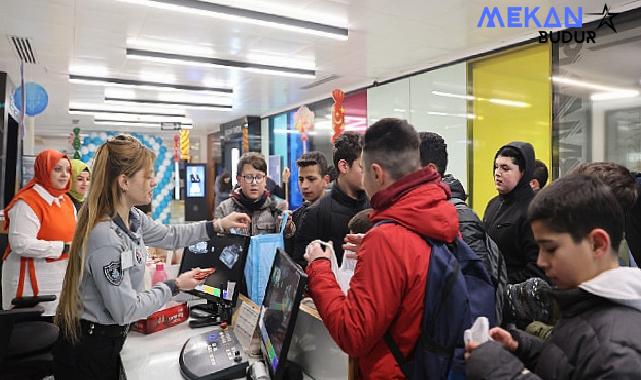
{"points": [[287, 61], [126, 123], [138, 118], [227, 12], [615, 95], [217, 107], [218, 62], [135, 122], [180, 48], [99, 81], [92, 111]]}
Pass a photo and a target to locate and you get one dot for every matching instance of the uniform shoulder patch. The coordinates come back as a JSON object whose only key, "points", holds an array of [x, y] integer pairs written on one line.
{"points": [[113, 272]]}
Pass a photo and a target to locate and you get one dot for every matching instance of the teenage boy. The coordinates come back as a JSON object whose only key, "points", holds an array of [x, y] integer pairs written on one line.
{"points": [[578, 225], [313, 178], [327, 219], [252, 198], [387, 290]]}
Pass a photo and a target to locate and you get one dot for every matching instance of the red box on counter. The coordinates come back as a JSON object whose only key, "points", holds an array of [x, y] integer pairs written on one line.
{"points": [[172, 314]]}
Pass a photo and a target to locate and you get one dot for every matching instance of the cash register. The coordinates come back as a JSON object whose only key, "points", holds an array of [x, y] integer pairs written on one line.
{"points": [[217, 355]]}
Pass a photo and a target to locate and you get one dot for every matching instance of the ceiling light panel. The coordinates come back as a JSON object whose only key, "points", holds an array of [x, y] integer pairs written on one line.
{"points": [[91, 108], [179, 48], [227, 12], [148, 85], [162, 57], [161, 103]]}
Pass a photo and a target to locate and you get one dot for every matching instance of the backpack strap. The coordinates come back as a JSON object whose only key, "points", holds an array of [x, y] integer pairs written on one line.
{"points": [[398, 355], [427, 330]]}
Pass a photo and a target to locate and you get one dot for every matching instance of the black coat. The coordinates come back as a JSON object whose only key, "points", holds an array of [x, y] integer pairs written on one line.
{"points": [[594, 339], [327, 220], [290, 244], [506, 222]]}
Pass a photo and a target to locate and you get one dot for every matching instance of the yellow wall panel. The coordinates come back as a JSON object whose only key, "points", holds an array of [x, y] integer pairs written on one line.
{"points": [[512, 102]]}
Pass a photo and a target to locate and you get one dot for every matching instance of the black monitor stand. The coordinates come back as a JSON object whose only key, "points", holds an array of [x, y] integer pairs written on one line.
{"points": [[212, 313]]}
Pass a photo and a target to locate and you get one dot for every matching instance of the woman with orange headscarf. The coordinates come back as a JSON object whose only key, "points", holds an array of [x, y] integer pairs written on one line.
{"points": [[41, 220]]}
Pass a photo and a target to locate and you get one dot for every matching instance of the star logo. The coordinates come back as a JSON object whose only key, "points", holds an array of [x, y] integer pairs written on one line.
{"points": [[607, 18]]}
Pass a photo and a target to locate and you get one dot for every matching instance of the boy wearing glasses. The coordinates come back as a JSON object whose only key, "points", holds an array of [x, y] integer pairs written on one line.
{"points": [[253, 199]]}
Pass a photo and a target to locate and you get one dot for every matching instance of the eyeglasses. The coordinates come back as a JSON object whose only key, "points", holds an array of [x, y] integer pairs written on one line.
{"points": [[258, 178]]}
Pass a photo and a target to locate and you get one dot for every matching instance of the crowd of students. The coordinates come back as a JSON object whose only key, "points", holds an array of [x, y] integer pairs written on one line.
{"points": [[561, 258]]}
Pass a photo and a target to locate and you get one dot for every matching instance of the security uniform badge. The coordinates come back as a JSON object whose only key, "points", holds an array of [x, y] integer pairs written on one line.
{"points": [[113, 273]]}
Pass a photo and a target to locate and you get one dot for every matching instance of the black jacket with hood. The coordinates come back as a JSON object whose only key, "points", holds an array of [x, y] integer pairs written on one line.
{"points": [[505, 220], [597, 337]]}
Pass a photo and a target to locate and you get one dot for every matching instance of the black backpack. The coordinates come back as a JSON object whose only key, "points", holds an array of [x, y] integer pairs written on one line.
{"points": [[479, 240]]}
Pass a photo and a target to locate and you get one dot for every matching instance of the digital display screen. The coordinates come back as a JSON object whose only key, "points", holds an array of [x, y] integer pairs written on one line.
{"points": [[227, 254], [278, 315], [195, 180]]}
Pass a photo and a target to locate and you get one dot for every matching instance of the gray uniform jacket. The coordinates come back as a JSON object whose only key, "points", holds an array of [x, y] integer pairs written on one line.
{"points": [[112, 283]]}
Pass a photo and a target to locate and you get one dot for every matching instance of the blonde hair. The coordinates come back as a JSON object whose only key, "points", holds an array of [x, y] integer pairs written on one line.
{"points": [[118, 156]]}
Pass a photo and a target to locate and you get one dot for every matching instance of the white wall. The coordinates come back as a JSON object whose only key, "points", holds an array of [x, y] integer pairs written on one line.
{"points": [[413, 99]]}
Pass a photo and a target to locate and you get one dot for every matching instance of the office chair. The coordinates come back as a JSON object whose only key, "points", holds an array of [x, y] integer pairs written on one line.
{"points": [[25, 340]]}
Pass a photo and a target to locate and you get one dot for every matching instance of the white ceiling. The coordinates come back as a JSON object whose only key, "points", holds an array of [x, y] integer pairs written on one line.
{"points": [[386, 39]]}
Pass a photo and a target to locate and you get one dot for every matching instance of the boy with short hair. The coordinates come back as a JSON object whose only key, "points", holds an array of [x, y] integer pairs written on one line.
{"points": [[313, 178], [252, 198], [578, 225], [327, 218]]}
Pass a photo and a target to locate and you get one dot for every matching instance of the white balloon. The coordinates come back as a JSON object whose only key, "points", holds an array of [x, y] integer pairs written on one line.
{"points": [[84, 150]]}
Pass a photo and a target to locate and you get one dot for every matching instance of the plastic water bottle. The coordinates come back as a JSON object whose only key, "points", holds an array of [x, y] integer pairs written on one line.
{"points": [[159, 275]]}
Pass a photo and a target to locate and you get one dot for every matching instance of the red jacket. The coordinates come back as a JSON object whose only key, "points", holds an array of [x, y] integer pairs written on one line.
{"points": [[389, 278]]}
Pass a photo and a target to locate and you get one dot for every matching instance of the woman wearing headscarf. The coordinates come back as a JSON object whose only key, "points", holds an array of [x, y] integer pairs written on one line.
{"points": [[41, 221], [80, 179]]}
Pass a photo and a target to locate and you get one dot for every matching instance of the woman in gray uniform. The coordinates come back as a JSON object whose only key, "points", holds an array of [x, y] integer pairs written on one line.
{"points": [[103, 287]]}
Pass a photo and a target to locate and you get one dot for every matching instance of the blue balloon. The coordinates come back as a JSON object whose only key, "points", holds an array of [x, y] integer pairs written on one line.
{"points": [[36, 98], [163, 149]]}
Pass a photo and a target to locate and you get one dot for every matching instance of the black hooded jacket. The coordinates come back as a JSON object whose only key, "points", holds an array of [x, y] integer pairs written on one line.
{"points": [[505, 220], [327, 220]]}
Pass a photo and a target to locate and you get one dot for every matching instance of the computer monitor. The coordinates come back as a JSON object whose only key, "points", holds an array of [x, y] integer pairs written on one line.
{"points": [[228, 254], [280, 309]]}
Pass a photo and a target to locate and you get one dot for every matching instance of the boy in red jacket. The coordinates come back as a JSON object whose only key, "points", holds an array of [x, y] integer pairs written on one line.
{"points": [[388, 287]]}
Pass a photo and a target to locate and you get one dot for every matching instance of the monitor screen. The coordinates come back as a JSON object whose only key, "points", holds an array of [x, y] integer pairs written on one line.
{"points": [[280, 308], [227, 254], [195, 180]]}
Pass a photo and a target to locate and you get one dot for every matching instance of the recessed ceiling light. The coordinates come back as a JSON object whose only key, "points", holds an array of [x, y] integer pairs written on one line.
{"points": [[161, 57], [246, 15], [101, 81]]}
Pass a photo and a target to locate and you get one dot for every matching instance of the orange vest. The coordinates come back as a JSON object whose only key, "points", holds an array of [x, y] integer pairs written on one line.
{"points": [[56, 224]]}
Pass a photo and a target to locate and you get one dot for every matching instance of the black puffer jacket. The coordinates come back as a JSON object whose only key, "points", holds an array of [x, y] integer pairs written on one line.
{"points": [[505, 220], [596, 337], [327, 220], [474, 234]]}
